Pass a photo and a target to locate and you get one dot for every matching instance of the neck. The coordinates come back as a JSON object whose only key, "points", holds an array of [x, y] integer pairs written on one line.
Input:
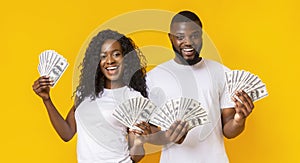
{"points": [[180, 60], [113, 85]]}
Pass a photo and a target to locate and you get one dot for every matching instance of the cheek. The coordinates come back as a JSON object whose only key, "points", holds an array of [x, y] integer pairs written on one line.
{"points": [[121, 67], [198, 42], [101, 65], [176, 44]]}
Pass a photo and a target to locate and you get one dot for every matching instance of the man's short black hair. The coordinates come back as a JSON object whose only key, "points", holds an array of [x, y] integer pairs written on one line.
{"points": [[186, 16]]}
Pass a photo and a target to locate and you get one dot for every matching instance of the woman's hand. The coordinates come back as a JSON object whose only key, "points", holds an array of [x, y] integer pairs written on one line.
{"points": [[142, 134], [42, 87]]}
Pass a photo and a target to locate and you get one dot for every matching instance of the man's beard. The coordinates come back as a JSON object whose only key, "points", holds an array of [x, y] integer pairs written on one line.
{"points": [[193, 61]]}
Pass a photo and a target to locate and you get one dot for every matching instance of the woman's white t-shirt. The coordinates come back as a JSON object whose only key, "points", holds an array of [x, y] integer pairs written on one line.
{"points": [[101, 138]]}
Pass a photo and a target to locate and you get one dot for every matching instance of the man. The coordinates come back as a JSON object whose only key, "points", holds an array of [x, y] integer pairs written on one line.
{"points": [[188, 75]]}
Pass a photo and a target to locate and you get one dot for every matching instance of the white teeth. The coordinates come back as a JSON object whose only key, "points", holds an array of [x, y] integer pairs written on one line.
{"points": [[188, 49], [112, 68]]}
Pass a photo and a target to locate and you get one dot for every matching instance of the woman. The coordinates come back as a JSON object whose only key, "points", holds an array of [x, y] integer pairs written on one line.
{"points": [[113, 70]]}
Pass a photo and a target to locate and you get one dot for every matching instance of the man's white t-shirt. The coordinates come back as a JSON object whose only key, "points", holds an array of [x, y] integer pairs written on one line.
{"points": [[101, 138], [205, 82]]}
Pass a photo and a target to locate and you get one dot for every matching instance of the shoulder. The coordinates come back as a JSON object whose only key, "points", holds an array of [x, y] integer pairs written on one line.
{"points": [[215, 65], [133, 93], [85, 102], [125, 94], [160, 69]]}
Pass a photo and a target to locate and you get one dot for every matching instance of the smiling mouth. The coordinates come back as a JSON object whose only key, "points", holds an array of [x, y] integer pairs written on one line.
{"points": [[188, 49], [112, 68]]}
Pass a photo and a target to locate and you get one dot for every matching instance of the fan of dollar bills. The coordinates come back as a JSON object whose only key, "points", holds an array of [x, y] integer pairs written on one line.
{"points": [[133, 111], [249, 83], [52, 64], [184, 109]]}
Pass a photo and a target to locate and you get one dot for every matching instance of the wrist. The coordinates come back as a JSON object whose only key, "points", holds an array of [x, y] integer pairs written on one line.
{"points": [[239, 122], [138, 142], [45, 99]]}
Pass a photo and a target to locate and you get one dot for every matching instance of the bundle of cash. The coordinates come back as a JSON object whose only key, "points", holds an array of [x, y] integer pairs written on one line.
{"points": [[133, 111], [52, 64], [243, 80], [184, 109]]}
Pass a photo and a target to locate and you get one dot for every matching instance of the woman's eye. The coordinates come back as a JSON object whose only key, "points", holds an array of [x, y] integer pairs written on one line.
{"points": [[102, 56], [115, 55]]}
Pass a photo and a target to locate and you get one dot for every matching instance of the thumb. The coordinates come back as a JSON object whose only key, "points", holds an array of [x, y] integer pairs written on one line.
{"points": [[238, 116]]}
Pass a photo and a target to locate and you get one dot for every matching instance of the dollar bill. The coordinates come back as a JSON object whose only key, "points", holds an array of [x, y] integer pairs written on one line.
{"points": [[133, 111], [237, 80], [52, 64], [184, 109], [57, 70]]}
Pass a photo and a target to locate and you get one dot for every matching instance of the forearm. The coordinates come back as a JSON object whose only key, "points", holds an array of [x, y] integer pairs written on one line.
{"points": [[137, 152], [60, 125], [232, 128]]}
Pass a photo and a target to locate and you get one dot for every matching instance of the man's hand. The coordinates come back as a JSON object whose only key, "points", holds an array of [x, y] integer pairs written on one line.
{"points": [[177, 132], [243, 106]]}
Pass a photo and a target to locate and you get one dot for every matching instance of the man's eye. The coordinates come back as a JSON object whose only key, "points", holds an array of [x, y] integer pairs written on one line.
{"points": [[180, 37], [195, 36]]}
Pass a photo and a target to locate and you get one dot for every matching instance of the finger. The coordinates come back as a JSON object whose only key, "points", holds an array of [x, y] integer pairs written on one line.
{"points": [[249, 100], [244, 101], [36, 86], [36, 82], [242, 111], [42, 84], [45, 76], [45, 79], [239, 105], [177, 131], [141, 124], [243, 97], [42, 79], [40, 89], [46, 84], [136, 132], [238, 116], [247, 103], [170, 131], [237, 101], [145, 127], [183, 132]]}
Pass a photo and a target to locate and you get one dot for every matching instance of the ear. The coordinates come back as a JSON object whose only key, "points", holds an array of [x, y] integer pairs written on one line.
{"points": [[170, 36]]}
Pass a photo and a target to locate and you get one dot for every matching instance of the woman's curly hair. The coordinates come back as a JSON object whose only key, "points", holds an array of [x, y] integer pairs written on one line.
{"points": [[91, 82]]}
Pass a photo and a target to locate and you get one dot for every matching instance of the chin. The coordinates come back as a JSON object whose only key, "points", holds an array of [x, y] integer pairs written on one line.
{"points": [[190, 58], [113, 78]]}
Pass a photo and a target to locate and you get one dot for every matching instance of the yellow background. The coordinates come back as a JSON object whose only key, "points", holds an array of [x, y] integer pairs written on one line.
{"points": [[258, 36]]}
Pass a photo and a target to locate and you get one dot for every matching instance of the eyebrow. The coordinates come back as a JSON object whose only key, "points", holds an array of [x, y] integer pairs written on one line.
{"points": [[112, 51]]}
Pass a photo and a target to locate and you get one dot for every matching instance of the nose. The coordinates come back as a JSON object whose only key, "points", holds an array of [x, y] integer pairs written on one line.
{"points": [[188, 41], [110, 59]]}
